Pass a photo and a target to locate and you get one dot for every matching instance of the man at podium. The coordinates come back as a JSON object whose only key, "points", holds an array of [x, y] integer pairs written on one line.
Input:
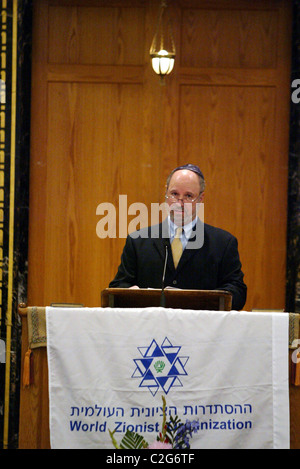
{"points": [[183, 251]]}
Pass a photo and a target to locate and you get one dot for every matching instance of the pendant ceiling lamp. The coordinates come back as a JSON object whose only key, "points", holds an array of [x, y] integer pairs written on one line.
{"points": [[162, 50]]}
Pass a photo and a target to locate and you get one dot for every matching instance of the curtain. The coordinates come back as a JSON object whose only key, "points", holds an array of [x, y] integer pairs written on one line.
{"points": [[293, 228]]}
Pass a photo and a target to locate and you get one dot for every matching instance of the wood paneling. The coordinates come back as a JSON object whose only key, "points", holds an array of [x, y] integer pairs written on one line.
{"points": [[240, 194], [103, 126], [82, 174], [249, 35], [93, 35]]}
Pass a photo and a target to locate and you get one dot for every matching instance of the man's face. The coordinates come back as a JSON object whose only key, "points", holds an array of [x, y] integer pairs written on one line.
{"points": [[183, 195]]}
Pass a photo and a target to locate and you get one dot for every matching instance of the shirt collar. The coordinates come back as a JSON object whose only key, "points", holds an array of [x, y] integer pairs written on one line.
{"points": [[187, 229]]}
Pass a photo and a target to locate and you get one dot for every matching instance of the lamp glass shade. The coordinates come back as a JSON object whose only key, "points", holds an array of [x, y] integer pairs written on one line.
{"points": [[162, 62]]}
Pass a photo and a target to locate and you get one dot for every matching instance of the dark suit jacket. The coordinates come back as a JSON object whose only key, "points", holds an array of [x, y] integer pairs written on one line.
{"points": [[214, 266]]}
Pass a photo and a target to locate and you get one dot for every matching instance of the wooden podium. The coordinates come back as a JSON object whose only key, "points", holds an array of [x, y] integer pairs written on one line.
{"points": [[171, 298], [34, 400]]}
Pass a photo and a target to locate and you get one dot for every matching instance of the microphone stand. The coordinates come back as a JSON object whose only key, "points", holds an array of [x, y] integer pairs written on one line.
{"points": [[162, 296]]}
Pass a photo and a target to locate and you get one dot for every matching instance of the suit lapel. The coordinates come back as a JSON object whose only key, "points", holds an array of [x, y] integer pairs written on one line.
{"points": [[160, 237], [162, 242], [195, 243]]}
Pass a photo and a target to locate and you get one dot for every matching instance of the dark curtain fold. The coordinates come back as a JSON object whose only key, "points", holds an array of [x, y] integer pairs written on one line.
{"points": [[10, 325], [293, 229]]}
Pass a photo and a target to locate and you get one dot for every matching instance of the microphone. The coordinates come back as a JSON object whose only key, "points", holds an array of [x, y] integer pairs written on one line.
{"points": [[162, 297]]}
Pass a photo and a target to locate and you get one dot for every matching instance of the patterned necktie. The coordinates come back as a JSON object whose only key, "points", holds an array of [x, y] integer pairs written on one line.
{"points": [[177, 247]]}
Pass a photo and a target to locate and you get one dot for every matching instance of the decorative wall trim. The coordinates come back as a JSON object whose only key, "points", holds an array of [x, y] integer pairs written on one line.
{"points": [[15, 45]]}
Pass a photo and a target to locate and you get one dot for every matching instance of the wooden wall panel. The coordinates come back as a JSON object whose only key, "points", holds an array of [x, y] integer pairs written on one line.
{"points": [[239, 190], [103, 126], [249, 36], [82, 174], [112, 35]]}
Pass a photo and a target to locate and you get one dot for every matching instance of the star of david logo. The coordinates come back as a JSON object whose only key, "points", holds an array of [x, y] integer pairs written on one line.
{"points": [[160, 366]]}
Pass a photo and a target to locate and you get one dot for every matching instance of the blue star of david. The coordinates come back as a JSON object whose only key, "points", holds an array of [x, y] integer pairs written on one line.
{"points": [[160, 366]]}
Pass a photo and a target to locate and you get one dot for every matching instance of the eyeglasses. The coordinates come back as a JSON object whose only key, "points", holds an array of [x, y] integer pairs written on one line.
{"points": [[174, 197]]}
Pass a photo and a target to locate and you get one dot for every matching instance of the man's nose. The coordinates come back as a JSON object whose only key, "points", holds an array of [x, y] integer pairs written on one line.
{"points": [[180, 200]]}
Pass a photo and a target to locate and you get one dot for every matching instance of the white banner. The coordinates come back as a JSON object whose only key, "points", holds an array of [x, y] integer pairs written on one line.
{"points": [[110, 367]]}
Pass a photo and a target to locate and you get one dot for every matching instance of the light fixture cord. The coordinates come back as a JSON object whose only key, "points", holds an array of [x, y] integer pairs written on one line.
{"points": [[163, 6]]}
